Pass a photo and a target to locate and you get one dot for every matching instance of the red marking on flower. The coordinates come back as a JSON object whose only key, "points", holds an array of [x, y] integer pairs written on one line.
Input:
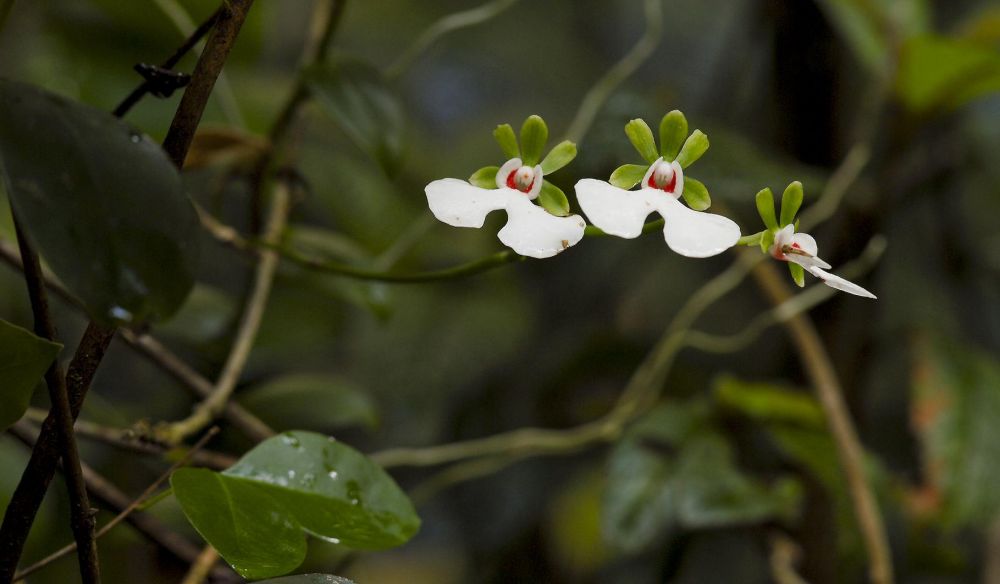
{"points": [[669, 187], [796, 246], [511, 183]]}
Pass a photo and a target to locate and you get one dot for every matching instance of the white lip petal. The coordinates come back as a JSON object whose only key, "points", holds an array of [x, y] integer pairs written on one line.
{"points": [[679, 173], [806, 243], [784, 236], [534, 232], [460, 204], [649, 172], [616, 211], [696, 234], [505, 170], [536, 186], [836, 282], [806, 261]]}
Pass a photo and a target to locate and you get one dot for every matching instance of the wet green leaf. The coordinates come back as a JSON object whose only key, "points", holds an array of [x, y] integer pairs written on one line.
{"points": [[485, 177], [673, 131], [696, 194], [765, 207], [563, 153], [101, 202], [627, 176], [553, 200], [254, 513], [504, 135], [24, 359], [694, 147], [316, 401], [791, 200], [534, 136], [641, 137], [360, 101]]}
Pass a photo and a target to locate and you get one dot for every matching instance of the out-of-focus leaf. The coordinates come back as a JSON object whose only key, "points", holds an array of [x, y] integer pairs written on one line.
{"points": [[956, 407], [938, 74], [983, 28], [360, 101], [574, 526], [696, 194], [553, 200], [308, 579], [485, 177], [673, 131], [694, 148], [627, 176], [205, 316], [24, 358], [641, 137], [254, 513], [562, 154], [768, 402], [860, 24], [102, 203], [223, 146], [314, 402], [534, 136]]}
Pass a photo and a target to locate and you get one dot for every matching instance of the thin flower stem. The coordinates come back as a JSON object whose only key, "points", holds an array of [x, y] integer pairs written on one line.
{"points": [[202, 566], [128, 510], [442, 27], [595, 99]]}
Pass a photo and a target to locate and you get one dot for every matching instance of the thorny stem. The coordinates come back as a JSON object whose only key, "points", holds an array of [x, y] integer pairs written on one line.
{"points": [[81, 514], [128, 510]]}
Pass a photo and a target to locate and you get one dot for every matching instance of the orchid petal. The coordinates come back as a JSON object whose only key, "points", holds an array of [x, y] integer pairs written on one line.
{"points": [[806, 261], [534, 232], [505, 170], [460, 204], [649, 172], [838, 283], [536, 186], [696, 234], [616, 211], [806, 243]]}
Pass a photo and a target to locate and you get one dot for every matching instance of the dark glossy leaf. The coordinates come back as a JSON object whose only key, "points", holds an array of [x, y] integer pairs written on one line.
{"points": [[641, 137], [316, 402], [696, 194], [298, 481], [24, 359], [360, 101], [553, 200], [485, 177], [627, 176], [101, 202], [562, 154], [694, 147], [308, 579], [673, 131], [504, 135], [534, 137]]}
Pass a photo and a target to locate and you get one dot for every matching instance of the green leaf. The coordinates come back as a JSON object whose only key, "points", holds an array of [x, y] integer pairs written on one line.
{"points": [[563, 153], [696, 194], [485, 177], [360, 101], [308, 579], [766, 402], [255, 512], [534, 136], [553, 200], [641, 136], [102, 204], [505, 137], [798, 274], [791, 200], [627, 176], [938, 74], [694, 147], [673, 131], [312, 401], [765, 207], [24, 359], [766, 241]]}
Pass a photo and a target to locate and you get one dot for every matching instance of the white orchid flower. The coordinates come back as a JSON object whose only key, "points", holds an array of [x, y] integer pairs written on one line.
{"points": [[530, 230], [623, 213], [800, 248]]}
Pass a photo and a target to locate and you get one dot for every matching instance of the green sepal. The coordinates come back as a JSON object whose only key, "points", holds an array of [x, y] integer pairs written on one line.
{"points": [[485, 177], [694, 147], [798, 274], [765, 206], [696, 194], [673, 131], [766, 241], [563, 153], [791, 200], [751, 240], [641, 136], [627, 176], [534, 135], [504, 135], [553, 200]]}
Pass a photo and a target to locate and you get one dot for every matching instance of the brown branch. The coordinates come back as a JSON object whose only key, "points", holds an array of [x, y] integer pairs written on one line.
{"points": [[824, 379], [81, 515], [206, 72], [202, 566], [128, 510]]}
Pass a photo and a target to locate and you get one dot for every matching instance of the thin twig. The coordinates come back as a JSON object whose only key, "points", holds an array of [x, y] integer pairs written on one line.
{"points": [[622, 70], [202, 566], [445, 25], [850, 452], [81, 515], [128, 510]]}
